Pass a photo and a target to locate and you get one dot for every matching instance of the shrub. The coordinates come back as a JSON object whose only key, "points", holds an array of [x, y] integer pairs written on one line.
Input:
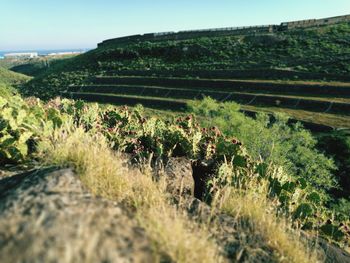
{"points": [[291, 147], [218, 160], [22, 125]]}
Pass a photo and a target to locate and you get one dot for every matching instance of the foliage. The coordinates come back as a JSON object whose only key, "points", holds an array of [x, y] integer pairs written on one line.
{"points": [[314, 51], [337, 146], [341, 209], [6, 90], [293, 148], [128, 131], [25, 123], [9, 81], [22, 124], [32, 66], [106, 174], [11, 78], [256, 219]]}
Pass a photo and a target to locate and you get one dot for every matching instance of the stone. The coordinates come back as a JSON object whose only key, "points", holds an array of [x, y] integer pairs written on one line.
{"points": [[333, 253], [178, 176], [49, 216]]}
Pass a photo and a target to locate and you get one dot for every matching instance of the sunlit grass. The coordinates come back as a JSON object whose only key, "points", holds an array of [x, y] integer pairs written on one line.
{"points": [[106, 174]]}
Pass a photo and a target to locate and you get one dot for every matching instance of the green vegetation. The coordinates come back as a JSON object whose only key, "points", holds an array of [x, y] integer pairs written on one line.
{"points": [[320, 52], [299, 50], [332, 120], [186, 240], [290, 147], [337, 146], [9, 81], [85, 136], [287, 179], [32, 66], [22, 124], [104, 173], [323, 50], [330, 98], [11, 78], [326, 110], [222, 161]]}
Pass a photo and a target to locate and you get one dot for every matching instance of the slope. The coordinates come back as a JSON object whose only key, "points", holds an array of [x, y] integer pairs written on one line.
{"points": [[319, 53]]}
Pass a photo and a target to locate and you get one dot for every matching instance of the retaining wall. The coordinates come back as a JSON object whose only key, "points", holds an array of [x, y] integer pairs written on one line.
{"points": [[316, 22], [181, 35], [262, 73], [227, 85]]}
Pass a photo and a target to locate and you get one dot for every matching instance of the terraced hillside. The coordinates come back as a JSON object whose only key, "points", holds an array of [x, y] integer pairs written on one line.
{"points": [[303, 72], [325, 99]]}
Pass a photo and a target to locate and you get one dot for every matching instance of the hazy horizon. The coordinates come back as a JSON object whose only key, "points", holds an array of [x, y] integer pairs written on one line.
{"points": [[44, 50], [39, 25]]}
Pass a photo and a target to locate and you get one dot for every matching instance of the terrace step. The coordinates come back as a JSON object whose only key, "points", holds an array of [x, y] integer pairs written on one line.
{"points": [[294, 102], [189, 93], [179, 105], [297, 88], [156, 103], [318, 118], [261, 73]]}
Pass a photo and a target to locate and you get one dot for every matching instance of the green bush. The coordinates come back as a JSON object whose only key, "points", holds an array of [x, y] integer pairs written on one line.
{"points": [[22, 124], [291, 147], [294, 149], [223, 159], [337, 146]]}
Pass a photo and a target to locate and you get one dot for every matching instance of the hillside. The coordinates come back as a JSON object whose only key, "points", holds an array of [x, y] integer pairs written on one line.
{"points": [[11, 78], [153, 190], [298, 58], [213, 144], [300, 52], [32, 66]]}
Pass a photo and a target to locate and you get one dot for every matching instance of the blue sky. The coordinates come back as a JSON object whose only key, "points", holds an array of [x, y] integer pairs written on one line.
{"points": [[62, 24]]}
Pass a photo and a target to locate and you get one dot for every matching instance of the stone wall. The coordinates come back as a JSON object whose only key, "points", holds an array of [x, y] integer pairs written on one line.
{"points": [[316, 22], [182, 35], [250, 30]]}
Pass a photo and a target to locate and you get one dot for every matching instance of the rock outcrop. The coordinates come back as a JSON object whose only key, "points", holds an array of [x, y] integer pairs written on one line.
{"points": [[178, 176], [48, 216]]}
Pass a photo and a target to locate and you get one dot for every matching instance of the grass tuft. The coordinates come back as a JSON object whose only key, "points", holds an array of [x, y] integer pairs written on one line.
{"points": [[105, 173], [257, 219]]}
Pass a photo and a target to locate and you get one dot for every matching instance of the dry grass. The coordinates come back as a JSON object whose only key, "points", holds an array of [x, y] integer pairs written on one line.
{"points": [[333, 120], [257, 220], [175, 237], [181, 239], [90, 158]]}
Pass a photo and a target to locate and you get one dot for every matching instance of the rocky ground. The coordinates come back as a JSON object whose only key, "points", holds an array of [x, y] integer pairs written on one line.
{"points": [[47, 215]]}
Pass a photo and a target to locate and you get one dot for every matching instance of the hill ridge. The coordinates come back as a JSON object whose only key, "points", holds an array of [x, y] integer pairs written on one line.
{"points": [[243, 30]]}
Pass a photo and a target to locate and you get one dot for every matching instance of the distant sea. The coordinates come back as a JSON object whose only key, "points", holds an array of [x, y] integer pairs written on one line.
{"points": [[42, 52]]}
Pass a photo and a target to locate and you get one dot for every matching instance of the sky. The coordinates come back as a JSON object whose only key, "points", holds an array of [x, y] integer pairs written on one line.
{"points": [[75, 24]]}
